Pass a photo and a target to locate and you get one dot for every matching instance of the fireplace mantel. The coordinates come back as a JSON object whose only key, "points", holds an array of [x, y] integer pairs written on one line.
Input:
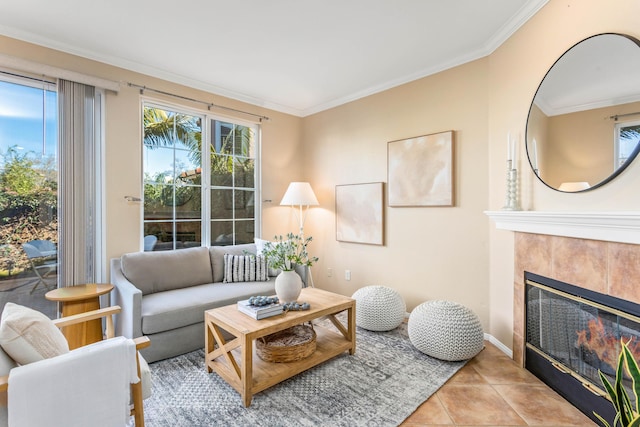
{"points": [[623, 227]]}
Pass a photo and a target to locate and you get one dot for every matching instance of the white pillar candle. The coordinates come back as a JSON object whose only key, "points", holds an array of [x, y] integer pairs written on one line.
{"points": [[534, 154], [509, 146]]}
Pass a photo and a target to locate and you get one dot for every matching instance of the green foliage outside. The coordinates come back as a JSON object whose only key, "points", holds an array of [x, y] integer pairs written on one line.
{"points": [[28, 205]]}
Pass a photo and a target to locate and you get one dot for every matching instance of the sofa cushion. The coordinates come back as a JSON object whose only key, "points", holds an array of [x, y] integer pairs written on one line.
{"points": [[217, 257], [183, 307], [166, 270], [245, 268], [29, 336]]}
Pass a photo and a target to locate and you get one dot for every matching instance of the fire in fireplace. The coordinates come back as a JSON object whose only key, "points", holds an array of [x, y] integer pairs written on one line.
{"points": [[572, 333]]}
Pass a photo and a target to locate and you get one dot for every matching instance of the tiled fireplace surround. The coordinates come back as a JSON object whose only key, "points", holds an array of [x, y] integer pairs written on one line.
{"points": [[599, 251], [611, 268]]}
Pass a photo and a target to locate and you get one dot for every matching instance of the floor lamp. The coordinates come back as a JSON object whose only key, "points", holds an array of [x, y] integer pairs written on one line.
{"points": [[300, 196]]}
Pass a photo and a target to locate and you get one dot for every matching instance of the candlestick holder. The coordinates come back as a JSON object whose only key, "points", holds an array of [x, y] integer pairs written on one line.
{"points": [[511, 200]]}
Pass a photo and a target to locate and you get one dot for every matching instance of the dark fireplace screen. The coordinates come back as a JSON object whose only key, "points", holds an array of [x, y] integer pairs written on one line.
{"points": [[577, 335]]}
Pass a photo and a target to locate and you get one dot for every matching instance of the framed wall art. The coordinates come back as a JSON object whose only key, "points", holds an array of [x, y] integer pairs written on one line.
{"points": [[360, 213], [421, 170]]}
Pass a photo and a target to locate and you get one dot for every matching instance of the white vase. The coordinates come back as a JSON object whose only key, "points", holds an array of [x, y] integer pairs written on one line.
{"points": [[288, 286]]}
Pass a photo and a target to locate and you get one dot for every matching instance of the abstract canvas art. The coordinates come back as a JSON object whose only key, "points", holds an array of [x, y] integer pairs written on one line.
{"points": [[420, 171], [360, 213]]}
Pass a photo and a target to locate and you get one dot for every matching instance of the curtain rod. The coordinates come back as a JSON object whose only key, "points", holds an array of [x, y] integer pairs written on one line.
{"points": [[624, 115], [35, 79], [208, 104]]}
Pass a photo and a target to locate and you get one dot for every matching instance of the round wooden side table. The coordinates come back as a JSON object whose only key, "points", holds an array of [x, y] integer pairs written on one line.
{"points": [[80, 299]]}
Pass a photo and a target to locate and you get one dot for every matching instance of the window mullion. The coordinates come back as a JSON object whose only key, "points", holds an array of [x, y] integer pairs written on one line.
{"points": [[206, 182]]}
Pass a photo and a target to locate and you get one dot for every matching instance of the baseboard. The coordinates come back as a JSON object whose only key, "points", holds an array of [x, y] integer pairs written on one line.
{"points": [[503, 348]]}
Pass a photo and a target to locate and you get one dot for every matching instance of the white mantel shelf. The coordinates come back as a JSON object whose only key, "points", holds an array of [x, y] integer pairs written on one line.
{"points": [[623, 227]]}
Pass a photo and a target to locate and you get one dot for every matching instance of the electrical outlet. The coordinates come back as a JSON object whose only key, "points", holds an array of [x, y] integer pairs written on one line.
{"points": [[329, 272], [347, 275]]}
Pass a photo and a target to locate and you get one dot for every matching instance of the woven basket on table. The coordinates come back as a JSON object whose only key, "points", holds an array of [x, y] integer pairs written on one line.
{"points": [[289, 345]]}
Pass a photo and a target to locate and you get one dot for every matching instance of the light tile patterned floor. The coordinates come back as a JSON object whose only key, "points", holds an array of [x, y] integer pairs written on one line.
{"points": [[491, 390]]}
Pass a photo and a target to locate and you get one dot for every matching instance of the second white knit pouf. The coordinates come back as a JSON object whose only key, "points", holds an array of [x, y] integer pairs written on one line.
{"points": [[445, 330], [379, 308]]}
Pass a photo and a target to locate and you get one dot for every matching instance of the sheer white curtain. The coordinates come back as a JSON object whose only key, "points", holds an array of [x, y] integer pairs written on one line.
{"points": [[79, 184]]}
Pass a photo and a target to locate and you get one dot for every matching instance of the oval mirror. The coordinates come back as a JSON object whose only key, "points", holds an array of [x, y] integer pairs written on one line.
{"points": [[583, 127]]}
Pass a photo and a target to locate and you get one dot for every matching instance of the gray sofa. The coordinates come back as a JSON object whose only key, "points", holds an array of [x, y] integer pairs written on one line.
{"points": [[164, 295]]}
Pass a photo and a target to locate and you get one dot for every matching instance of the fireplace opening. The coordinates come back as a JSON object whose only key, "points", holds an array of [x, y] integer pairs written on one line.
{"points": [[573, 333]]}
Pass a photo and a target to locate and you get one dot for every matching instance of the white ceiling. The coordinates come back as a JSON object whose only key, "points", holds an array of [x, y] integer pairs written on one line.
{"points": [[293, 56], [598, 72]]}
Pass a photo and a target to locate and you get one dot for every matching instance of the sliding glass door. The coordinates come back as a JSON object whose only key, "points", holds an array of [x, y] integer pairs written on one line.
{"points": [[28, 191]]}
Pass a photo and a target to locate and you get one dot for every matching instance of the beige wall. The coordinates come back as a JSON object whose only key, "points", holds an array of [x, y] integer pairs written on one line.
{"points": [[442, 252], [430, 252], [281, 143], [516, 69], [579, 146]]}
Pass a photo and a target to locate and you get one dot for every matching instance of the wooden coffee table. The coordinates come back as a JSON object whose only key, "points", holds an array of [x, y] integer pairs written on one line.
{"points": [[236, 360]]}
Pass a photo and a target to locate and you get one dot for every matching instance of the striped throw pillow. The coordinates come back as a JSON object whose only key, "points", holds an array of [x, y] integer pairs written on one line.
{"points": [[245, 268]]}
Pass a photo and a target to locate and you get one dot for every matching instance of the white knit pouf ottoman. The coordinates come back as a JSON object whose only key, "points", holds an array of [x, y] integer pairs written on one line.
{"points": [[445, 330], [379, 308]]}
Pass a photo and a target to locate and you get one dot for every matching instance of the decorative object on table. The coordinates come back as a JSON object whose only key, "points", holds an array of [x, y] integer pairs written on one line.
{"points": [[360, 213], [288, 286], [446, 330], [290, 345], [260, 307], [347, 390], [262, 300], [379, 308], [284, 254], [421, 170], [300, 194], [295, 306], [511, 200]]}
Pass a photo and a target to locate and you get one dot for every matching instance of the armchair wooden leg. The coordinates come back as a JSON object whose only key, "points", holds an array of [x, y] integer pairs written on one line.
{"points": [[136, 394]]}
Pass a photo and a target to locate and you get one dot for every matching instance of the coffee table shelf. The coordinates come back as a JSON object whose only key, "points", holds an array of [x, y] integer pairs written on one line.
{"points": [[236, 360]]}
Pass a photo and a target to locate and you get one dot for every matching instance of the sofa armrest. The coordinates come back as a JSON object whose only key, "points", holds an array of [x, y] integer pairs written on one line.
{"points": [[129, 298]]}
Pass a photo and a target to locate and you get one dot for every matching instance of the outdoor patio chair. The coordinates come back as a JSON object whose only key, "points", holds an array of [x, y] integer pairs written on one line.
{"points": [[149, 242], [42, 255]]}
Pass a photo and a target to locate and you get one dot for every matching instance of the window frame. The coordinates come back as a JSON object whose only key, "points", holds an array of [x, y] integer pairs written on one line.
{"points": [[207, 118], [617, 128]]}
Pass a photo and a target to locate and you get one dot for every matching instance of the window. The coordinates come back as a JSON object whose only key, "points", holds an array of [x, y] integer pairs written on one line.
{"points": [[190, 202], [232, 183], [28, 191], [627, 139]]}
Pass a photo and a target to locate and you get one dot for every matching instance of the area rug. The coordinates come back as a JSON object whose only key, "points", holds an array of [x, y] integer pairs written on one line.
{"points": [[380, 385]]}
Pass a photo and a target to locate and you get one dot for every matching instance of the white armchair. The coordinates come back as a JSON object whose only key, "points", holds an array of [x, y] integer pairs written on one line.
{"points": [[93, 382]]}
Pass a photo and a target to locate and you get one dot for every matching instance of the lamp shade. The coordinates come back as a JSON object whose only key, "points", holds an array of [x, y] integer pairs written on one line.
{"points": [[574, 186], [299, 193]]}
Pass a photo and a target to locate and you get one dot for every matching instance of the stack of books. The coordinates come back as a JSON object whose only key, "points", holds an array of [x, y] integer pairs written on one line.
{"points": [[259, 312]]}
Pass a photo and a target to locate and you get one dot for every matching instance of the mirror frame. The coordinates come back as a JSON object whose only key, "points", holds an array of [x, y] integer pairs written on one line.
{"points": [[616, 172]]}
